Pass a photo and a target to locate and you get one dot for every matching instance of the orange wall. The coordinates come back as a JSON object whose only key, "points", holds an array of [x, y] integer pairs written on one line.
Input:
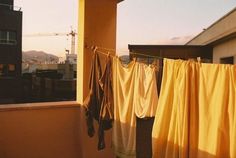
{"points": [[47, 132], [59, 131], [97, 26], [99, 30]]}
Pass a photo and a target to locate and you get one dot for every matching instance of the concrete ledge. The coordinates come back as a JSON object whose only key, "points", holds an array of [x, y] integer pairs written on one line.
{"points": [[38, 106]]}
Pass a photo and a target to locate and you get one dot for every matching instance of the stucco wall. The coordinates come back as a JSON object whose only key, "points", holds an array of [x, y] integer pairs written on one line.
{"points": [[47, 130], [97, 27], [225, 49]]}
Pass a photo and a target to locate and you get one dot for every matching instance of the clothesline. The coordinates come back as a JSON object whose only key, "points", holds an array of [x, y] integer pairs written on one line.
{"points": [[106, 49], [105, 53], [96, 48], [152, 56]]}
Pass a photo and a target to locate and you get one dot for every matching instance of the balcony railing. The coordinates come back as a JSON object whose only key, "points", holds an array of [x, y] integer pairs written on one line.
{"points": [[10, 7]]}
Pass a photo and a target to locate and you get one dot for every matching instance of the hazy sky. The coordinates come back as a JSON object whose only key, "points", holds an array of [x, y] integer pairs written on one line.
{"points": [[139, 21], [48, 16]]}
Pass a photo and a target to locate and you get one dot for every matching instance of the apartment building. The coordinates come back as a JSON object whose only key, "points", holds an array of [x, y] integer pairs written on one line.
{"points": [[10, 51], [221, 36]]}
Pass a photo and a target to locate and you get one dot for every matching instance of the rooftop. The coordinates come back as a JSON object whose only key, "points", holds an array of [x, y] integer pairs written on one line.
{"points": [[213, 25]]}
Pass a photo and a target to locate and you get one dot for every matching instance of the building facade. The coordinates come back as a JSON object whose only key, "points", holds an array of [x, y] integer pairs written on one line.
{"points": [[221, 36], [10, 51]]}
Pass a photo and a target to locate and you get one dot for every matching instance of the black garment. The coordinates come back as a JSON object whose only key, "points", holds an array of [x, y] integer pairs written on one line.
{"points": [[98, 103], [144, 137], [94, 99], [106, 112]]}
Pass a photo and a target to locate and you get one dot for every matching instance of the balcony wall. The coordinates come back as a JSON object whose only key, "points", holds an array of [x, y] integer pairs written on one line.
{"points": [[47, 130], [58, 130]]}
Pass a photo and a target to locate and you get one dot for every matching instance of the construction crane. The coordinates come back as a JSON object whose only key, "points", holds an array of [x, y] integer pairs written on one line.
{"points": [[72, 33]]}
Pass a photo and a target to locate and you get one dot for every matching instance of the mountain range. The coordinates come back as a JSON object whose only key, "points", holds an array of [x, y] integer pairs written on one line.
{"points": [[38, 57]]}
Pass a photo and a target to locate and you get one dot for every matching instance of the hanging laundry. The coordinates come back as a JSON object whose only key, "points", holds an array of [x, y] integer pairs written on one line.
{"points": [[107, 105], [144, 137], [170, 137], [98, 103], [135, 92], [196, 111], [124, 126], [217, 111], [94, 98], [145, 92], [146, 99]]}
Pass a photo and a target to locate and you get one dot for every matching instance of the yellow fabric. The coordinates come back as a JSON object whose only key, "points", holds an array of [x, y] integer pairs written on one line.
{"points": [[135, 94], [217, 117], [124, 127], [196, 114], [146, 96]]}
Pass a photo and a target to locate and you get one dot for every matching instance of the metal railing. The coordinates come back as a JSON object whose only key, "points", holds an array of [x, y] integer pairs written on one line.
{"points": [[10, 7]]}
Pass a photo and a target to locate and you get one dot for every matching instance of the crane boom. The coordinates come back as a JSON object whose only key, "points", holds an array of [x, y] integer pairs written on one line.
{"points": [[45, 34], [72, 34]]}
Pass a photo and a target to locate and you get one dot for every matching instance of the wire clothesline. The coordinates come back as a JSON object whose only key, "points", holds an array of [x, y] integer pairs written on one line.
{"points": [[108, 50], [146, 55], [105, 53]]}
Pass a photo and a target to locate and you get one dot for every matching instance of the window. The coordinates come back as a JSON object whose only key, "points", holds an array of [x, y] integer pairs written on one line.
{"points": [[227, 60], [7, 70], [1, 70], [6, 4], [3, 36], [7, 37], [11, 70]]}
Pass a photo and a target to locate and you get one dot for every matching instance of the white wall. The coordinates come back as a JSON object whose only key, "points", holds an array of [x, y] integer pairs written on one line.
{"points": [[225, 49]]}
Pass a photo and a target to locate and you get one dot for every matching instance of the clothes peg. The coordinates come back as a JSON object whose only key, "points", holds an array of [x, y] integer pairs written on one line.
{"points": [[95, 49], [199, 59]]}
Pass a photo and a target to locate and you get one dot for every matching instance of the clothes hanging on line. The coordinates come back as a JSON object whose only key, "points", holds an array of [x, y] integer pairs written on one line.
{"points": [[132, 84], [99, 101], [145, 92], [94, 98], [146, 98], [124, 126], [196, 114], [107, 105], [170, 126], [105, 51], [144, 137]]}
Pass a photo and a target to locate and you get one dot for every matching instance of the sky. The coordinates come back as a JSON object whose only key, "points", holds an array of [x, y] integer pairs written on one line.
{"points": [[47, 17], [138, 21]]}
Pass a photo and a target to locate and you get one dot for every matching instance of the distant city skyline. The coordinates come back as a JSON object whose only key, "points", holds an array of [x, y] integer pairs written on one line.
{"points": [[138, 21]]}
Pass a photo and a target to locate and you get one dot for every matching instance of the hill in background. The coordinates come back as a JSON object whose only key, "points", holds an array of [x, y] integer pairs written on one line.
{"points": [[38, 57]]}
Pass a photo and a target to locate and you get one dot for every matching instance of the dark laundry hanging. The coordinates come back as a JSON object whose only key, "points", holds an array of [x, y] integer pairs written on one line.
{"points": [[99, 103], [107, 107], [144, 137], [94, 98]]}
